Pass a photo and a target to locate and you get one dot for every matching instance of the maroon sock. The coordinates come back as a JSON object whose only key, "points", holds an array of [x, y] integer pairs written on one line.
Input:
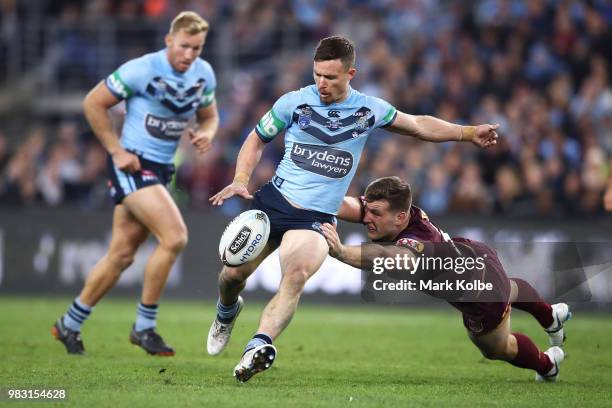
{"points": [[530, 301], [529, 356]]}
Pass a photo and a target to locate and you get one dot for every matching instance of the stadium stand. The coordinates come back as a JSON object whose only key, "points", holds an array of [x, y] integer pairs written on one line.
{"points": [[540, 68]]}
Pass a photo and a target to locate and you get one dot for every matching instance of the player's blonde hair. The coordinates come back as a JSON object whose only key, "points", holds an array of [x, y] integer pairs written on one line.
{"points": [[190, 22]]}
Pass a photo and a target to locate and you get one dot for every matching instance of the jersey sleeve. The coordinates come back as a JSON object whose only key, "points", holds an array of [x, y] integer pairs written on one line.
{"points": [[415, 245], [445, 249], [208, 97], [384, 112], [276, 119], [127, 79]]}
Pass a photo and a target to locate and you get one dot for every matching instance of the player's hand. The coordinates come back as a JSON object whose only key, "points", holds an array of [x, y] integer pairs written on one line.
{"points": [[333, 240], [233, 189], [607, 199], [126, 161], [485, 135], [201, 142]]}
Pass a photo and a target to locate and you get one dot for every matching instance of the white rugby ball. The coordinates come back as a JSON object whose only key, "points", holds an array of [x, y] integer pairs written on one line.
{"points": [[244, 238]]}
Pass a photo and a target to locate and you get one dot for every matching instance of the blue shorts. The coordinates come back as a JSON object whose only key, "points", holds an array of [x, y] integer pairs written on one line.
{"points": [[121, 183], [285, 217]]}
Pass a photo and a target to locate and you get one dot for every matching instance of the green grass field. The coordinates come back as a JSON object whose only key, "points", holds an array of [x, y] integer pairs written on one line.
{"points": [[329, 356]]}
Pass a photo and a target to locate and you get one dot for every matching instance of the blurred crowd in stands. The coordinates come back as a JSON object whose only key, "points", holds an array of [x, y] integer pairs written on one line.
{"points": [[542, 69]]}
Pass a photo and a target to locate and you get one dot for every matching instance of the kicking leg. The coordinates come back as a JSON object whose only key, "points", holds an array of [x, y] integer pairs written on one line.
{"points": [[231, 282], [297, 266]]}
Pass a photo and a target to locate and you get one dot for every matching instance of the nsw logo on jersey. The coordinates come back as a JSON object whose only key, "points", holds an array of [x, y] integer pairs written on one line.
{"points": [[305, 116], [177, 99], [322, 160], [333, 128]]}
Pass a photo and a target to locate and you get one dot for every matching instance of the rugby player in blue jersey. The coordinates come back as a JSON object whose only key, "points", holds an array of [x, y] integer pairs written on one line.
{"points": [[326, 126], [163, 91]]}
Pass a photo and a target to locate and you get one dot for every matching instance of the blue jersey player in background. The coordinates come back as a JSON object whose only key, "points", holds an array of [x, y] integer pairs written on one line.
{"points": [[326, 126], [163, 92]]}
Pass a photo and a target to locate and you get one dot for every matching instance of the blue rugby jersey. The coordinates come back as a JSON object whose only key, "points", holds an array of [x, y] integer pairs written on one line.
{"points": [[323, 143], [160, 102]]}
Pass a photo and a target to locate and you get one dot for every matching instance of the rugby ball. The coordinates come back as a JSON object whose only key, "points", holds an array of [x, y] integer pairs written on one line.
{"points": [[244, 238]]}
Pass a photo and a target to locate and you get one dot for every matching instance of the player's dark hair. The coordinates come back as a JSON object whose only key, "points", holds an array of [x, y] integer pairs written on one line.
{"points": [[336, 47], [392, 189]]}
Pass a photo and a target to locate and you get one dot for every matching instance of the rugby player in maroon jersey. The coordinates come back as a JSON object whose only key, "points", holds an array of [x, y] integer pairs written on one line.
{"points": [[387, 212]]}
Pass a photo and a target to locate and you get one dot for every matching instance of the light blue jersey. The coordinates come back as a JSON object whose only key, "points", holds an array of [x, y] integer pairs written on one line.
{"points": [[323, 143], [160, 102]]}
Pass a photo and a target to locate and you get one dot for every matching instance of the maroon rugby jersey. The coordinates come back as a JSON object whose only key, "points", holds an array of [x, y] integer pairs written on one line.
{"points": [[421, 229], [421, 233]]}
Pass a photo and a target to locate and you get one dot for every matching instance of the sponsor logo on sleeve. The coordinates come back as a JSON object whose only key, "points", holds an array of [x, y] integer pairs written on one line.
{"points": [[270, 125], [322, 160], [207, 98], [118, 86]]}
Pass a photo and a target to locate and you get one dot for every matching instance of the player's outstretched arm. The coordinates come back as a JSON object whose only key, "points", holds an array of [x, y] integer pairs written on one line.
{"points": [[208, 124], [436, 130], [359, 256], [249, 156], [351, 210], [96, 105]]}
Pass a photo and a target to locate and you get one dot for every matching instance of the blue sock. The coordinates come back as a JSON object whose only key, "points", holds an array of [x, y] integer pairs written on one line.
{"points": [[76, 315], [258, 340], [146, 318], [226, 314]]}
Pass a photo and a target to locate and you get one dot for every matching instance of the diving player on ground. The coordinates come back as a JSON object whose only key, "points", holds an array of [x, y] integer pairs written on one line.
{"points": [[389, 217], [327, 125], [163, 92]]}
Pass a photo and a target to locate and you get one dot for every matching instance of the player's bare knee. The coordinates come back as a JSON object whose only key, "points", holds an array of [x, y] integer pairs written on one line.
{"points": [[231, 276], [294, 279], [121, 259], [175, 241]]}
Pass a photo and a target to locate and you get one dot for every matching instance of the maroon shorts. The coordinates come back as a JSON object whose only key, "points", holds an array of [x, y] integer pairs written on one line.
{"points": [[482, 317]]}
